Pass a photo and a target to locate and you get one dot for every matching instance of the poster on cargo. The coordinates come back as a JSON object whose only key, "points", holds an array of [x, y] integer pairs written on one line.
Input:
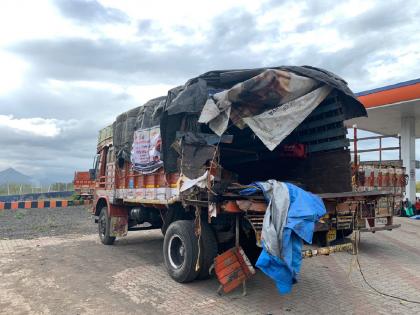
{"points": [[145, 153]]}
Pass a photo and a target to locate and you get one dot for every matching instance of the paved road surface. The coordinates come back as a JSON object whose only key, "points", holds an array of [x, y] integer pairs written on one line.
{"points": [[68, 271]]}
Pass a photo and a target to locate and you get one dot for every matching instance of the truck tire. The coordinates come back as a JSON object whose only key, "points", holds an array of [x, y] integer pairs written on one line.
{"points": [[167, 218], [104, 227], [208, 250], [173, 213], [180, 251]]}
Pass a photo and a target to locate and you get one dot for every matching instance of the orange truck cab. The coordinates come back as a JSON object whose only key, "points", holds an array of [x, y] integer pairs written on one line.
{"points": [[84, 184]]}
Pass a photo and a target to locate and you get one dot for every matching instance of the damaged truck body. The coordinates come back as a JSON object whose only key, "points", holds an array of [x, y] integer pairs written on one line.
{"points": [[181, 162]]}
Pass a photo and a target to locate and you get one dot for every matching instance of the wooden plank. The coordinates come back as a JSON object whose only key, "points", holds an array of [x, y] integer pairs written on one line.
{"points": [[347, 194], [210, 138], [333, 105], [332, 133], [320, 122], [328, 145]]}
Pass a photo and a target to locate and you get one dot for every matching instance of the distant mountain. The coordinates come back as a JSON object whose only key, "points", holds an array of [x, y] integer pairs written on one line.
{"points": [[12, 176]]}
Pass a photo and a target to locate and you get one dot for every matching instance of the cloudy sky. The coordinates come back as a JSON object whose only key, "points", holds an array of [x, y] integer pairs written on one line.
{"points": [[68, 67]]}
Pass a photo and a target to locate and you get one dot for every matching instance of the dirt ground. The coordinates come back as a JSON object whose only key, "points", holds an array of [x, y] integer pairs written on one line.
{"points": [[51, 262], [33, 223]]}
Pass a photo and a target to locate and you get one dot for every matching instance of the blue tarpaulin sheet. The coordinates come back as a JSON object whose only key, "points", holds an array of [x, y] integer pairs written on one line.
{"points": [[304, 210]]}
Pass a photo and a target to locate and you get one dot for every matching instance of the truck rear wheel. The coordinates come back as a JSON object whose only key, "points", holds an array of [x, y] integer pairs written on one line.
{"points": [[180, 251], [208, 250], [104, 227]]}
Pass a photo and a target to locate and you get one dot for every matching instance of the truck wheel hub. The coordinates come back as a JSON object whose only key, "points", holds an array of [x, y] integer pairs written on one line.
{"points": [[176, 252]]}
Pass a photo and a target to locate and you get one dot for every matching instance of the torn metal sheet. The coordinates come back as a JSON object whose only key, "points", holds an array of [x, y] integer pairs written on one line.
{"points": [[212, 210], [274, 125], [269, 89], [194, 159], [200, 182], [216, 112]]}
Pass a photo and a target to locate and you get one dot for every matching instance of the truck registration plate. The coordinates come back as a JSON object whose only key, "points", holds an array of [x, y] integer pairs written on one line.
{"points": [[331, 235], [381, 221]]}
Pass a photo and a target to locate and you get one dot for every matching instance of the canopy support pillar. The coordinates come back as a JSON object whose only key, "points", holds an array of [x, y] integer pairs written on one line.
{"points": [[408, 154]]}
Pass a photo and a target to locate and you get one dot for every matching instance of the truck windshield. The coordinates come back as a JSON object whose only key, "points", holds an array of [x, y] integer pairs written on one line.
{"points": [[95, 165]]}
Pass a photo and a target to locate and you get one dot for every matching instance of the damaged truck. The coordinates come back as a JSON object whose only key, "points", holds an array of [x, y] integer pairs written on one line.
{"points": [[181, 162]]}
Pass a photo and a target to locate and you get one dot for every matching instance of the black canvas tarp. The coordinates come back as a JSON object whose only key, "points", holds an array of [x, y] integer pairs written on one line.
{"points": [[145, 116], [191, 98], [193, 91], [181, 108]]}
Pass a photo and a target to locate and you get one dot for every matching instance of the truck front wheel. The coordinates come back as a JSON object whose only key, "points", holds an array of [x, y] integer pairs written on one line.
{"points": [[104, 227], [180, 251]]}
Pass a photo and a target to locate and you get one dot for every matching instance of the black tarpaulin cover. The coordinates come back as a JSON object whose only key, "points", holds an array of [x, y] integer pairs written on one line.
{"points": [[225, 79], [185, 103], [253, 86], [145, 116]]}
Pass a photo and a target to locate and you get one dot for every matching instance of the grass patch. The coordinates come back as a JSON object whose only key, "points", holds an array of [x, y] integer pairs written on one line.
{"points": [[51, 223], [42, 228], [19, 215]]}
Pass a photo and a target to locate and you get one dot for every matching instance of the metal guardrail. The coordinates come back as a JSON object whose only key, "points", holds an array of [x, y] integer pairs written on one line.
{"points": [[36, 196], [380, 147], [41, 204]]}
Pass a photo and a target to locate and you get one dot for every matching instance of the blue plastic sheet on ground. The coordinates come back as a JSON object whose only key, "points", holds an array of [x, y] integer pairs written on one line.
{"points": [[305, 209], [415, 217]]}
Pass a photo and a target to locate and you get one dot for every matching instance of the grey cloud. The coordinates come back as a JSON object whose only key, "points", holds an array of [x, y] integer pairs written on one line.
{"points": [[105, 59], [388, 16], [353, 63], [88, 109], [234, 29], [312, 10], [228, 45], [383, 17], [57, 157], [37, 99], [90, 11], [349, 62], [184, 30], [374, 36], [316, 8], [145, 26]]}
